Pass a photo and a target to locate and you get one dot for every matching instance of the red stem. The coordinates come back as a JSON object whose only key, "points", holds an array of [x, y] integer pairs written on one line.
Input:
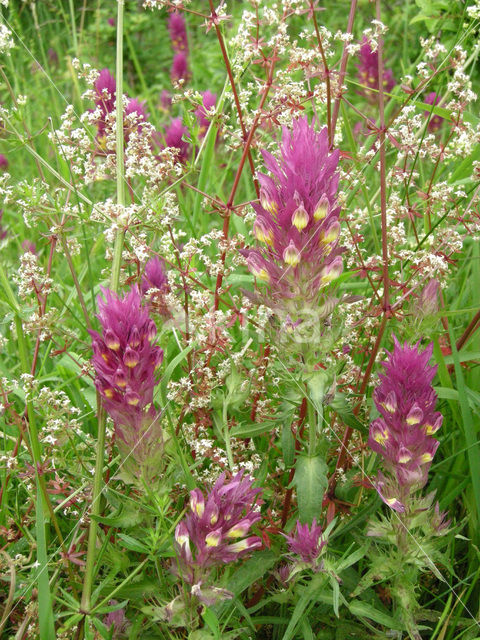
{"points": [[234, 91], [326, 70], [288, 494], [383, 169], [343, 65], [228, 206]]}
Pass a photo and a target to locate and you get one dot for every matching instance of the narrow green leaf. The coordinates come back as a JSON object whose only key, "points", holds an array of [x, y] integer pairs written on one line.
{"points": [[45, 611], [172, 365], [363, 609], [311, 482], [473, 446], [288, 445], [133, 544]]}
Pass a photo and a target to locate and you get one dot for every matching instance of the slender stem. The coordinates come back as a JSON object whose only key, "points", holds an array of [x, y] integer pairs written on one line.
{"points": [[348, 431], [288, 494], [326, 71], [45, 614], [117, 257], [312, 428], [383, 169], [234, 91], [472, 327], [74, 27], [343, 65], [236, 182]]}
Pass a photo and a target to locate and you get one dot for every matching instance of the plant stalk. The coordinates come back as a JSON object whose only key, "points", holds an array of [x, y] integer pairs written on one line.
{"points": [[115, 277]]}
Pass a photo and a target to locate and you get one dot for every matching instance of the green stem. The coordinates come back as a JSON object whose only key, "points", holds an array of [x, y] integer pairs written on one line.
{"points": [[312, 428], [95, 511], [45, 612], [117, 253], [74, 28], [117, 258]]}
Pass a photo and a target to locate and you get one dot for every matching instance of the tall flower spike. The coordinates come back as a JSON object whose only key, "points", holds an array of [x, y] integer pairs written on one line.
{"points": [[125, 361], [368, 71], [209, 101], [178, 32], [297, 217], [155, 285], [173, 137], [178, 37], [215, 530], [179, 70], [105, 99], [403, 434]]}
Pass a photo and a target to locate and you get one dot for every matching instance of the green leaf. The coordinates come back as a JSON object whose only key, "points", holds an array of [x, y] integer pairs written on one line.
{"points": [[304, 600], [353, 558], [251, 430], [251, 571], [363, 609], [133, 544], [473, 449], [311, 482], [317, 387], [341, 407], [288, 445], [211, 619], [123, 518], [170, 369]]}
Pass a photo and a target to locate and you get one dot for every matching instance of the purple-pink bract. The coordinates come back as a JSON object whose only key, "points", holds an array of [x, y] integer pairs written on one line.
{"points": [[307, 542], [215, 528], [178, 32], [403, 434], [209, 101], [297, 216], [368, 70], [435, 121], [126, 360], [154, 276]]}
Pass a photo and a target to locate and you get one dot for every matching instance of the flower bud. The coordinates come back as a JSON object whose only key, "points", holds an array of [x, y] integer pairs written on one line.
{"points": [[262, 232], [322, 208], [213, 538], [197, 502], [134, 339], [291, 255], [330, 234], [300, 218], [257, 269], [379, 431], [131, 358], [111, 340], [132, 398], [390, 402], [430, 429], [415, 415], [120, 378], [404, 455], [332, 270], [268, 203]]}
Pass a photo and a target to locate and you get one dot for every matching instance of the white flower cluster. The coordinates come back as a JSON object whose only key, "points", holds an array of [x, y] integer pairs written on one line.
{"points": [[6, 40]]}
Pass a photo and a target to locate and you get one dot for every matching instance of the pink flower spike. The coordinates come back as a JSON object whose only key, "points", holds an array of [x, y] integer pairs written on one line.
{"points": [[307, 542], [403, 434]]}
